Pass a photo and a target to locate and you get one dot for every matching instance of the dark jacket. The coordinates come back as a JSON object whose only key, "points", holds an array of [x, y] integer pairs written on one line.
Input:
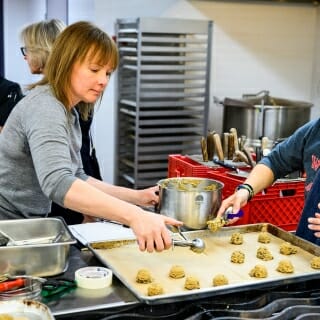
{"points": [[10, 95]]}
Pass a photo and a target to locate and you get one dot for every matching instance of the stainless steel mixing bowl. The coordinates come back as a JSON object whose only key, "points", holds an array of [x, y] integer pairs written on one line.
{"points": [[191, 200]]}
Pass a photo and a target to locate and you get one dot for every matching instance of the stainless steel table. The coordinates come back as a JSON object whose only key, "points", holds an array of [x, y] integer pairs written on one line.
{"points": [[84, 300]]}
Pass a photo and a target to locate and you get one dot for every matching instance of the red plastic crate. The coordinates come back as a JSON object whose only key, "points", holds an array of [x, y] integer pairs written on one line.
{"points": [[183, 166], [281, 204]]}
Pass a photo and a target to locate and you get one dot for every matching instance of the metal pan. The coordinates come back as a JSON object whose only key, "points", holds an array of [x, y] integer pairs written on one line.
{"points": [[118, 255]]}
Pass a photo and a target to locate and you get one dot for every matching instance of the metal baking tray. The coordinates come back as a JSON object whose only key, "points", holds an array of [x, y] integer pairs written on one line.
{"points": [[125, 259], [47, 252], [26, 309]]}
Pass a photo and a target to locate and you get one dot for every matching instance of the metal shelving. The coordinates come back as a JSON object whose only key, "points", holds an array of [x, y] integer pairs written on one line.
{"points": [[163, 94]]}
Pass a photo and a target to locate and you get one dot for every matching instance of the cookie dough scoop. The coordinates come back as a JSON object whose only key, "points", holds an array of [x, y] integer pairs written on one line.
{"points": [[197, 245]]}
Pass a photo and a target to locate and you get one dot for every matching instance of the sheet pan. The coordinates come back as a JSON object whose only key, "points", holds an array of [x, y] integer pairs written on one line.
{"points": [[125, 259]]}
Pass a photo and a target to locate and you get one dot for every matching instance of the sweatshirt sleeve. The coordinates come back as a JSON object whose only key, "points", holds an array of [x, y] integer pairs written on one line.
{"points": [[288, 156], [54, 138]]}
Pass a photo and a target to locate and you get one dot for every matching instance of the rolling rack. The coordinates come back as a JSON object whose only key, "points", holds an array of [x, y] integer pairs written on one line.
{"points": [[162, 94]]}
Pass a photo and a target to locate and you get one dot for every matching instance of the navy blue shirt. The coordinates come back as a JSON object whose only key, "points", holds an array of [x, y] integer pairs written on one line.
{"points": [[301, 151]]}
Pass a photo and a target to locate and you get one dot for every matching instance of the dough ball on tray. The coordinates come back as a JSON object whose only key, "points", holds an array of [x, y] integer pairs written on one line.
{"points": [[176, 272], [315, 263], [237, 257], [155, 289], [285, 266], [236, 238], [143, 276], [192, 283], [287, 248], [220, 280], [259, 271], [264, 254], [264, 237]]}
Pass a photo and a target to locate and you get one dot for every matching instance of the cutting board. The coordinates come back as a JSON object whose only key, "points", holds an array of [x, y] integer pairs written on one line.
{"points": [[99, 231]]}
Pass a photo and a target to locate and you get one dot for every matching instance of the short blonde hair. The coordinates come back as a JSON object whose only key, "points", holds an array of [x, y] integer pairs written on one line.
{"points": [[38, 39], [72, 46]]}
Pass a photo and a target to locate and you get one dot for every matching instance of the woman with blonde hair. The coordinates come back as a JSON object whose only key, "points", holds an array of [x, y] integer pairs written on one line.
{"points": [[40, 144], [38, 39]]}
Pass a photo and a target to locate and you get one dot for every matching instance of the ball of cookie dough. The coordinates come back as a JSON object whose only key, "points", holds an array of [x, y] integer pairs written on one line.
{"points": [[216, 224], [176, 272], [287, 248], [236, 238], [143, 276], [219, 280], [237, 257], [192, 283], [259, 271], [155, 289], [264, 254], [285, 266], [315, 263], [264, 237]]}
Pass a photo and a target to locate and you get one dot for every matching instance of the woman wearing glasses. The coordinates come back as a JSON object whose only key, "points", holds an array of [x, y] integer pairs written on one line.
{"points": [[38, 39]]}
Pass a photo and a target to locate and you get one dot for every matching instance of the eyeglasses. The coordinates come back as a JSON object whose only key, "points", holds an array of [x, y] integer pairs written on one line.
{"points": [[23, 51]]}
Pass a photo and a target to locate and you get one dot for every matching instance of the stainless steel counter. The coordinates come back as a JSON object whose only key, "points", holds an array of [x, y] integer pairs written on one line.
{"points": [[84, 300]]}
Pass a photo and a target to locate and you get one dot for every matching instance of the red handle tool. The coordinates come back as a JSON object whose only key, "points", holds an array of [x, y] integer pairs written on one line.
{"points": [[12, 284]]}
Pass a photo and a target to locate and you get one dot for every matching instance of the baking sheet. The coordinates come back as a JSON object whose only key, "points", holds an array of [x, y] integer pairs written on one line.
{"points": [[125, 259]]}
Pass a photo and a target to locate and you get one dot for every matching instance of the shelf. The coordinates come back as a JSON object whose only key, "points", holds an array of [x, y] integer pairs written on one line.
{"points": [[163, 94]]}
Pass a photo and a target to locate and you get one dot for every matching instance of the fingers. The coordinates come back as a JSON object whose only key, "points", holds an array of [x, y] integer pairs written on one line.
{"points": [[155, 242], [172, 221], [152, 233], [149, 196], [314, 224], [232, 221]]}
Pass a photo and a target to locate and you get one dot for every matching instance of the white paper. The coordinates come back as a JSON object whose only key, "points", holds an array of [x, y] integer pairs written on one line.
{"points": [[100, 231]]}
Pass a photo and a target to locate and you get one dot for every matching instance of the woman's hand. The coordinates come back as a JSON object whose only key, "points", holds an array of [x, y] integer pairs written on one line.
{"points": [[151, 231], [314, 223], [148, 197], [236, 201]]}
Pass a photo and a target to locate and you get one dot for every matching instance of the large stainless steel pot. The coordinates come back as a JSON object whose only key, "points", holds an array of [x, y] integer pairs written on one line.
{"points": [[268, 116], [191, 200]]}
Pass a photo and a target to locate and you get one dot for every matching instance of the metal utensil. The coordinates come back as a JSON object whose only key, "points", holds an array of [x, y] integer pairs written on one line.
{"points": [[41, 240], [196, 245], [238, 172]]}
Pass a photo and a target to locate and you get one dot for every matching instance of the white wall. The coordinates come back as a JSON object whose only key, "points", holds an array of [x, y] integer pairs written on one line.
{"points": [[255, 46], [17, 14]]}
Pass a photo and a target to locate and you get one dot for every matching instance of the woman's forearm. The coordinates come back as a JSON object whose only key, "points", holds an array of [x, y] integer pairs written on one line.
{"points": [[260, 178], [98, 203], [126, 194]]}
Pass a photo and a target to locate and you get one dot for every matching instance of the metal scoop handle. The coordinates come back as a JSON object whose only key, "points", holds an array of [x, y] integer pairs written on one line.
{"points": [[182, 243]]}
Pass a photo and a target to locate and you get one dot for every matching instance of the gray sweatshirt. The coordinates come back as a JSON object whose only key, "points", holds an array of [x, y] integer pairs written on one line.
{"points": [[39, 155]]}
